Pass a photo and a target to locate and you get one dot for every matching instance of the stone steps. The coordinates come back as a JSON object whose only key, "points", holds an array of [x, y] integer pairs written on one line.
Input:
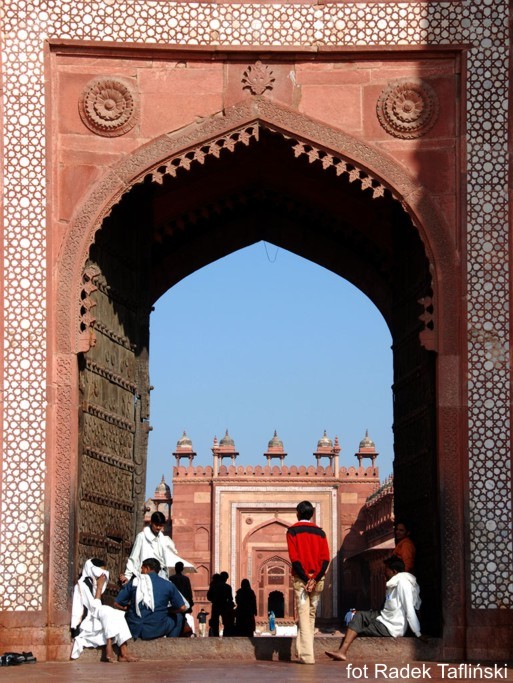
{"points": [[277, 648]]}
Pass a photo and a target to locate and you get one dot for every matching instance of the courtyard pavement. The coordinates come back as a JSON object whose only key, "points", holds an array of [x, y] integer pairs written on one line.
{"points": [[250, 672]]}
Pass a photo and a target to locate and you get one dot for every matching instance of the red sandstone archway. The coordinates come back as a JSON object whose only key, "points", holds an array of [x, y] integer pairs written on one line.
{"points": [[364, 170]]}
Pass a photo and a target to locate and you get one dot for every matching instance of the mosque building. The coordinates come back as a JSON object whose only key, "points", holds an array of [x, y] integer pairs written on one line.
{"points": [[228, 517]]}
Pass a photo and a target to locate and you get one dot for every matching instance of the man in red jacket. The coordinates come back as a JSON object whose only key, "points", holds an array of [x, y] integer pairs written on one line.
{"points": [[310, 557]]}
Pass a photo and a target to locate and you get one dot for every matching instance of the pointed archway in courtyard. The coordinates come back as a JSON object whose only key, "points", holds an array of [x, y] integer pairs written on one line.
{"points": [[258, 171]]}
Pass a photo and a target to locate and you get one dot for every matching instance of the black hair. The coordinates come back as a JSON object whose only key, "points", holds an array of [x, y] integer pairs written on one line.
{"points": [[395, 564], [224, 576], [158, 518], [152, 564], [98, 562], [179, 567], [406, 523], [305, 509]]}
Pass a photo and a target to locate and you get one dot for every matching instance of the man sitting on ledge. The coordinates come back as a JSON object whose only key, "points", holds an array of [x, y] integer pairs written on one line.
{"points": [[154, 605], [402, 599]]}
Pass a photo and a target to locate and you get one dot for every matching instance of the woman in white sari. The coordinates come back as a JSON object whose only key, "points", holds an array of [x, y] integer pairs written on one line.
{"points": [[94, 624]]}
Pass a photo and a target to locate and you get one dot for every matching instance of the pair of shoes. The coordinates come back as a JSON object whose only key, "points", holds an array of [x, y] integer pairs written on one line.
{"points": [[15, 658], [29, 658]]}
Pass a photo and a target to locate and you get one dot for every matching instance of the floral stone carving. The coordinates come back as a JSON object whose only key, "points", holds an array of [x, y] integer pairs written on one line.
{"points": [[258, 78], [407, 108], [109, 106]]}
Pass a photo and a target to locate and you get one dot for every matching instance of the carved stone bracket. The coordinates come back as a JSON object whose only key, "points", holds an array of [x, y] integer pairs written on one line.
{"points": [[109, 106], [245, 136], [427, 335], [341, 168], [213, 148], [87, 338]]}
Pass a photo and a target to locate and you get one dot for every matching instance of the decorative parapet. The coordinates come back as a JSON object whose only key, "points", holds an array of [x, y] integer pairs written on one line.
{"points": [[200, 472], [379, 513], [385, 489]]}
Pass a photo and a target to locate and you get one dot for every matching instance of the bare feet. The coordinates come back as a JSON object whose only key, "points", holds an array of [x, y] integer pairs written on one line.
{"points": [[111, 659], [128, 658], [337, 656]]}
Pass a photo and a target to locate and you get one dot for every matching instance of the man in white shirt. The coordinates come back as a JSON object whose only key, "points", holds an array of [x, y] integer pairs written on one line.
{"points": [[402, 599], [151, 542]]}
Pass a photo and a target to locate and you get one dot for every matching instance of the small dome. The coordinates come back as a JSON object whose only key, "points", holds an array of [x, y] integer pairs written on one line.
{"points": [[324, 441], [367, 442], [227, 440], [163, 490], [184, 441], [275, 442]]}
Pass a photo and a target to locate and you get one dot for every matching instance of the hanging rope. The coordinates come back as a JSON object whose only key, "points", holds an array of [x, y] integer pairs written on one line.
{"points": [[271, 260]]}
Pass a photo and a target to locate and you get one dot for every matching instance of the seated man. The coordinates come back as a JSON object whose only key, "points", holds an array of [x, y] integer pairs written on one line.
{"points": [[402, 599], [94, 624], [147, 599]]}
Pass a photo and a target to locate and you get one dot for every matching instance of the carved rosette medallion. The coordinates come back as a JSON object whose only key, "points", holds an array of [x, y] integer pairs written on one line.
{"points": [[407, 108], [109, 106], [258, 78]]}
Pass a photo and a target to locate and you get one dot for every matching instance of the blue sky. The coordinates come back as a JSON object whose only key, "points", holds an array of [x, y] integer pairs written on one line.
{"points": [[263, 340]]}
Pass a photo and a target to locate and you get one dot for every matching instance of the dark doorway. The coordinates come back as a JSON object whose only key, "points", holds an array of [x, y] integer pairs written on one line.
{"points": [[160, 232], [276, 604]]}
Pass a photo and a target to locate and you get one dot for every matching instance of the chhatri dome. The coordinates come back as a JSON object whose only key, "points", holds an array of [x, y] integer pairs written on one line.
{"points": [[227, 440], [367, 442], [184, 441], [275, 442], [325, 441], [162, 491]]}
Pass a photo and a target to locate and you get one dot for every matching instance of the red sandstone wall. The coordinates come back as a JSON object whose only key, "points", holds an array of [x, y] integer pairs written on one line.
{"points": [[176, 91]]}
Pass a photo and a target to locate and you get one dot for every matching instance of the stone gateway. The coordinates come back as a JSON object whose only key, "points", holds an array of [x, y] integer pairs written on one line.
{"points": [[141, 141]]}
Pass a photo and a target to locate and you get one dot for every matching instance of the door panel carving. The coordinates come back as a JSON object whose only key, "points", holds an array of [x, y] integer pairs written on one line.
{"points": [[114, 407]]}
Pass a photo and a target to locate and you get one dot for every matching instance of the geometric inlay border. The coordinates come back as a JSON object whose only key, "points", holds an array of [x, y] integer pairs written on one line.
{"points": [[27, 24]]}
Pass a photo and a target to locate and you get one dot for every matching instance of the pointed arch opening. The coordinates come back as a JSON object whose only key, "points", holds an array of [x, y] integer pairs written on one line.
{"points": [[260, 172]]}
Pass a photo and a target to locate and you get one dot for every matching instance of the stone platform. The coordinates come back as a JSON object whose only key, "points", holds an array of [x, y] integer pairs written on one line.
{"points": [[275, 649]]}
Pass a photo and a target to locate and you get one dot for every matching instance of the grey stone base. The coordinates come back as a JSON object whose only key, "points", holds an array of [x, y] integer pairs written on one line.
{"points": [[277, 648]]}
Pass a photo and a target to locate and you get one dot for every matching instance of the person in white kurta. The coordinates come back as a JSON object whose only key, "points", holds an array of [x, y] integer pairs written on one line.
{"points": [[92, 623], [151, 542], [399, 612]]}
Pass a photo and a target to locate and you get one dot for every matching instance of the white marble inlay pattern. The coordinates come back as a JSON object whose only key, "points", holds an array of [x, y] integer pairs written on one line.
{"points": [[482, 24]]}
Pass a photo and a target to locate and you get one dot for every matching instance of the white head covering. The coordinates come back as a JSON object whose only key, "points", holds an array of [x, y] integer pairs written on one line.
{"points": [[82, 595], [144, 593]]}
